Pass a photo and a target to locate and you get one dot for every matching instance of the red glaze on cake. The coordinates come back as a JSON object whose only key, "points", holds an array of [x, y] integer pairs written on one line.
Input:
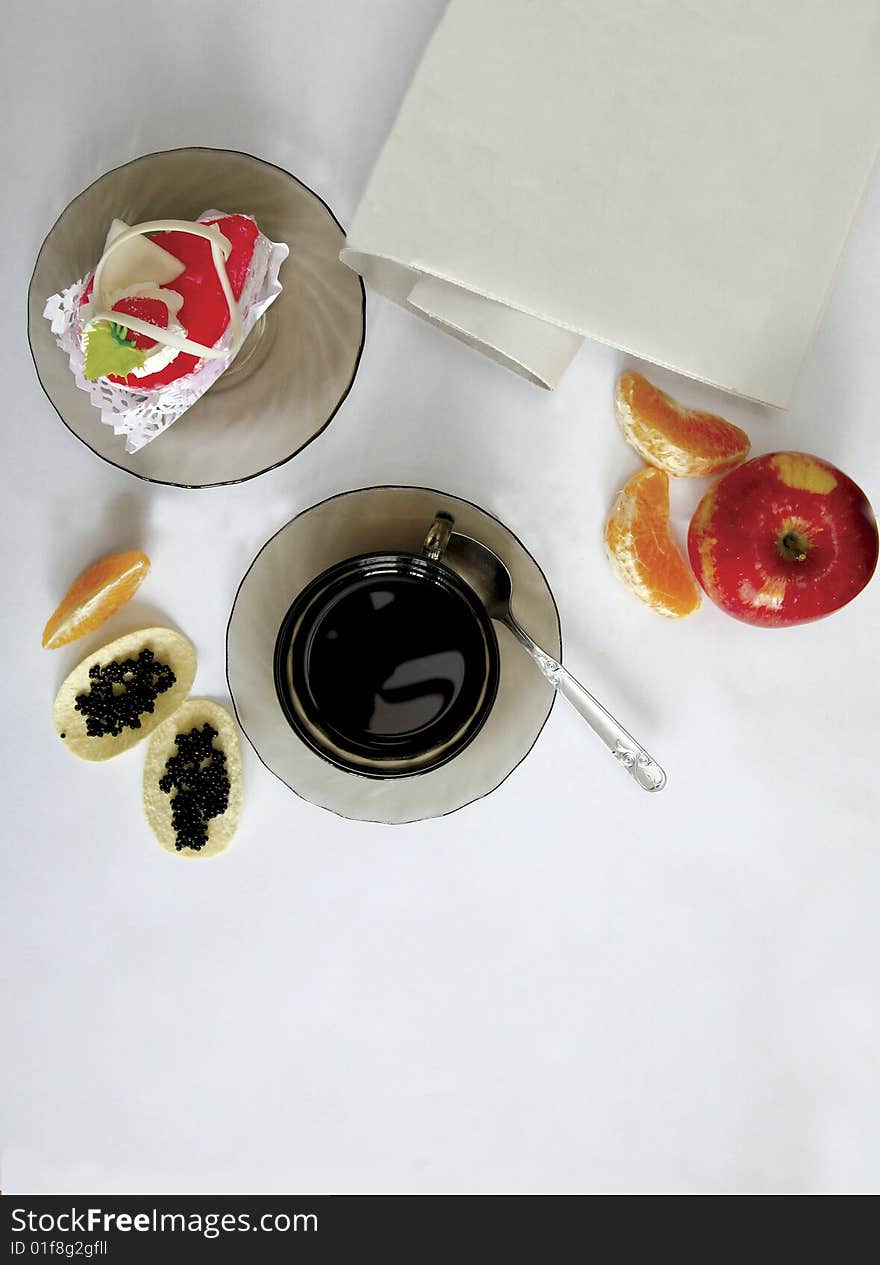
{"points": [[204, 313]]}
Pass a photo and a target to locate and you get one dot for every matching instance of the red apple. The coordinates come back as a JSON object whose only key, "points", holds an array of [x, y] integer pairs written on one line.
{"points": [[783, 539]]}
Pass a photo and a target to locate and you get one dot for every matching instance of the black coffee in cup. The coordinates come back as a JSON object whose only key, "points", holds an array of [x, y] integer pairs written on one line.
{"points": [[387, 664]]}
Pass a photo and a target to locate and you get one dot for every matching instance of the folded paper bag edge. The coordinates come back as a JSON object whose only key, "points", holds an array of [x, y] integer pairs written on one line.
{"points": [[483, 324], [535, 349]]}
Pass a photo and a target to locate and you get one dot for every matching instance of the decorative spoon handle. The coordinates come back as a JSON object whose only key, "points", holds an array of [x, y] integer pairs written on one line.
{"points": [[634, 758]]}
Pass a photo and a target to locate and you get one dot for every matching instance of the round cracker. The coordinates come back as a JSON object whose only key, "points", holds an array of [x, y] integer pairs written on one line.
{"points": [[169, 647], [194, 713]]}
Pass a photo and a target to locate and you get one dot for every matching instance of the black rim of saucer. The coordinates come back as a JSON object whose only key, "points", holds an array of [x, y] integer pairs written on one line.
{"points": [[223, 483], [338, 496]]}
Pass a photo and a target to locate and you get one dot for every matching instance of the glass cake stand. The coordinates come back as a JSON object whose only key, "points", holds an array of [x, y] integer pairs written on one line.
{"points": [[297, 365]]}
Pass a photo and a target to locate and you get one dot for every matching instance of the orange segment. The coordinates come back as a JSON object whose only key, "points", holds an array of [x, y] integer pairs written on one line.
{"points": [[641, 548], [96, 595], [673, 438]]}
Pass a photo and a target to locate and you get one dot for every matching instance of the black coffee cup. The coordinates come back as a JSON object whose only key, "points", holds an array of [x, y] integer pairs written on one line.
{"points": [[387, 664]]}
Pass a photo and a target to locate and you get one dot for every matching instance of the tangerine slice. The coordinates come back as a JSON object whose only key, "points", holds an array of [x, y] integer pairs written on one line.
{"points": [[679, 440], [95, 596], [642, 551]]}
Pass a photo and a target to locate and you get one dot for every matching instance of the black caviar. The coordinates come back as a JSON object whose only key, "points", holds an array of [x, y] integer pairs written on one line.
{"points": [[121, 692], [198, 774]]}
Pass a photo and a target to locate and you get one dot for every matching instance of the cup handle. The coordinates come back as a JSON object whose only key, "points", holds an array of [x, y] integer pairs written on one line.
{"points": [[438, 536]]}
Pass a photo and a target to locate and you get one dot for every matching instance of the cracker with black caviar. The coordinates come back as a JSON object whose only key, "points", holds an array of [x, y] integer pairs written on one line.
{"points": [[192, 780], [122, 692]]}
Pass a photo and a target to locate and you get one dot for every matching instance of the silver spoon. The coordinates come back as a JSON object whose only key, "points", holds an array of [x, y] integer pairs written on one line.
{"points": [[490, 579]]}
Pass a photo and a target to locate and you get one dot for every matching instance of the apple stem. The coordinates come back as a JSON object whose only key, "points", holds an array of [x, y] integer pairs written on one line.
{"points": [[793, 547]]}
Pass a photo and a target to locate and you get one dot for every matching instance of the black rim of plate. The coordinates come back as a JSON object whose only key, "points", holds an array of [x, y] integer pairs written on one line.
{"points": [[338, 496], [222, 483]]}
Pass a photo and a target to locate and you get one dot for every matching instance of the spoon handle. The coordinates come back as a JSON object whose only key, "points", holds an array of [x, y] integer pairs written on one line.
{"points": [[634, 758]]}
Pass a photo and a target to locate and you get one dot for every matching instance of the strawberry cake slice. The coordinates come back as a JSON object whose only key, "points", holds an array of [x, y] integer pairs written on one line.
{"points": [[163, 314]]}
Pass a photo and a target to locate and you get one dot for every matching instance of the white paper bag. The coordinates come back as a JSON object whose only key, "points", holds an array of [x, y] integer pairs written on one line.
{"points": [[674, 177]]}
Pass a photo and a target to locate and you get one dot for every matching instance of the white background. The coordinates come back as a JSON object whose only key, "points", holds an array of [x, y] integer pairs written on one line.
{"points": [[568, 986]]}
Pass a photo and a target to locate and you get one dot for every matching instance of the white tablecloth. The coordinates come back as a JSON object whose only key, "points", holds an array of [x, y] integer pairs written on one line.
{"points": [[570, 985]]}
